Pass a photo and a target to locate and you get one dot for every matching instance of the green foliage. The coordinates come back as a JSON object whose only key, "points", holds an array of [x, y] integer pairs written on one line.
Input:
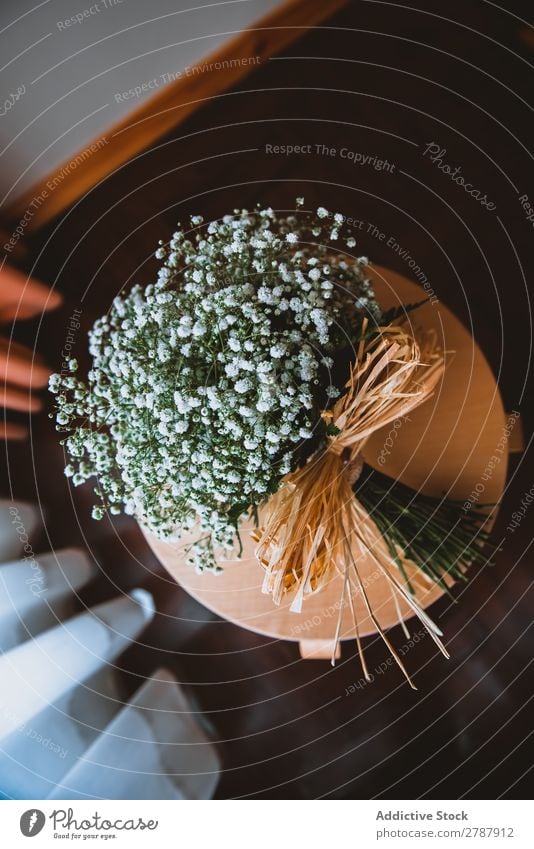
{"points": [[435, 533]]}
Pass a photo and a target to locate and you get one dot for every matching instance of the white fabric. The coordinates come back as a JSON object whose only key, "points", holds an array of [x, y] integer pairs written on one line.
{"points": [[35, 756], [66, 730], [38, 672], [37, 592], [18, 525], [153, 749]]}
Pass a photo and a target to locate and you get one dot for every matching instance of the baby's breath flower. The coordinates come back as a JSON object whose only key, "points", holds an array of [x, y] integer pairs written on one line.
{"points": [[205, 384]]}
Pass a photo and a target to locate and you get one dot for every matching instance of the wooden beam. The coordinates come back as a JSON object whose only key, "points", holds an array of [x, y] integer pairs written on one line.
{"points": [[167, 109]]}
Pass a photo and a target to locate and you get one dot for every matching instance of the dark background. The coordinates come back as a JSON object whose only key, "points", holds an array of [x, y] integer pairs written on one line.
{"points": [[376, 77]]}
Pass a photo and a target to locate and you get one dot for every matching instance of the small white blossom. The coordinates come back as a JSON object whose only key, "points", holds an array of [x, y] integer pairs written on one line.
{"points": [[242, 386]]}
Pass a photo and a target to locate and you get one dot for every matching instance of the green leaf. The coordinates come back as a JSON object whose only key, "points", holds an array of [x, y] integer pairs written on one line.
{"points": [[400, 312]]}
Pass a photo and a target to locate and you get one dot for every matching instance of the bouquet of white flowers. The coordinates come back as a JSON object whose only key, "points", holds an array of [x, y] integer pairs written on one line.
{"points": [[245, 382]]}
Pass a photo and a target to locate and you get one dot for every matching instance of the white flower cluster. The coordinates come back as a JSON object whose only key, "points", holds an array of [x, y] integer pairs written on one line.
{"points": [[207, 386]]}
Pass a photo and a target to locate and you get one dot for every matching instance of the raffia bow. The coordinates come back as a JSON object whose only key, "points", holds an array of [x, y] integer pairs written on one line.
{"points": [[314, 526]]}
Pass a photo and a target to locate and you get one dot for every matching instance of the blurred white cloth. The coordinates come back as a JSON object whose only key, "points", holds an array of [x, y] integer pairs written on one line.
{"points": [[66, 730], [39, 591], [39, 671], [153, 749], [18, 524], [35, 756]]}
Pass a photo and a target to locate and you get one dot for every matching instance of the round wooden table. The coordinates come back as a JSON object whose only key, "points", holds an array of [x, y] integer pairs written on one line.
{"points": [[445, 447]]}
